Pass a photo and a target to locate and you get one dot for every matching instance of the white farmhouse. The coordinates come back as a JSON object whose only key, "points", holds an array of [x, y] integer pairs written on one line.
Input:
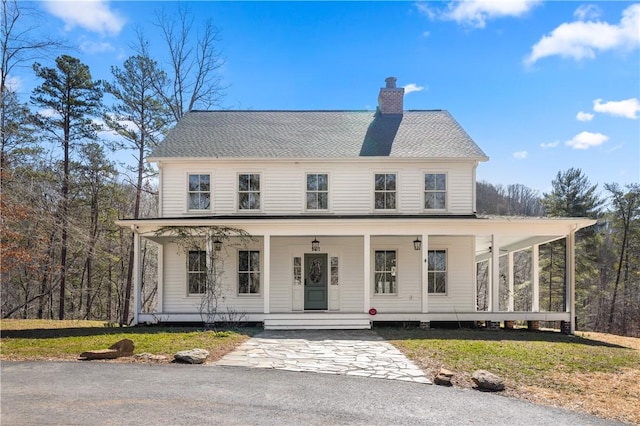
{"points": [[356, 216]]}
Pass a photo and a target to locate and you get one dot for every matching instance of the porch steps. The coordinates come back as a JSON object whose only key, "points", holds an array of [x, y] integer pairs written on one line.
{"points": [[317, 321]]}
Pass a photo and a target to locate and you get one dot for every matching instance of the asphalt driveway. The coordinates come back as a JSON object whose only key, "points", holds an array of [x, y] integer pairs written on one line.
{"points": [[87, 393]]}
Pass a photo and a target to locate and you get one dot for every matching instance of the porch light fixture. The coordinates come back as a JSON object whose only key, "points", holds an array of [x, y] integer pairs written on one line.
{"points": [[417, 244], [217, 245], [315, 245]]}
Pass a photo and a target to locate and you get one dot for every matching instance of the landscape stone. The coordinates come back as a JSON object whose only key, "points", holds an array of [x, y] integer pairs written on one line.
{"points": [[100, 354], [125, 347], [192, 356], [444, 377], [145, 356], [485, 380]]}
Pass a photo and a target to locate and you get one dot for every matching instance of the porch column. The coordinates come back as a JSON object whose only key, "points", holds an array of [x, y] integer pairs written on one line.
{"points": [[494, 298], [160, 289], [424, 261], [266, 273], [570, 285], [137, 278], [535, 278], [366, 246], [511, 279]]}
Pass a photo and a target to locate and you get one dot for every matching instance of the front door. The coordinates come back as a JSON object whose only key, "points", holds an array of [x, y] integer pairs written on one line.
{"points": [[315, 281]]}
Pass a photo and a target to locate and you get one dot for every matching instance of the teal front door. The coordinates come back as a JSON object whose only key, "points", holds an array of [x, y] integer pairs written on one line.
{"points": [[315, 281]]}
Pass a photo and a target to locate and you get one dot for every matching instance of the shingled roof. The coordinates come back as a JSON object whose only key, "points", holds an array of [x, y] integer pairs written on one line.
{"points": [[317, 134]]}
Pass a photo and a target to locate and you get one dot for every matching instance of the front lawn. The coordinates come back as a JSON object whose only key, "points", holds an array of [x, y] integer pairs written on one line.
{"points": [[591, 372], [42, 339]]}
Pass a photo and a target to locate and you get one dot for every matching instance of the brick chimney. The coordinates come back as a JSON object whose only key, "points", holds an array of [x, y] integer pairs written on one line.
{"points": [[391, 97]]}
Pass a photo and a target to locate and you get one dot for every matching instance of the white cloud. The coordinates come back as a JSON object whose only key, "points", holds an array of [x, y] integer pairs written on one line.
{"points": [[92, 47], [412, 87], [587, 11], [586, 140], [628, 108], [584, 116], [550, 144], [582, 39], [520, 155], [93, 15], [14, 83], [476, 13]]}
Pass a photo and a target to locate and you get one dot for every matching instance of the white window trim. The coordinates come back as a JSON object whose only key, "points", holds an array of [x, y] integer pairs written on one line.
{"points": [[446, 273], [237, 273], [304, 190], [373, 271], [237, 192], [446, 191], [187, 192], [373, 191]]}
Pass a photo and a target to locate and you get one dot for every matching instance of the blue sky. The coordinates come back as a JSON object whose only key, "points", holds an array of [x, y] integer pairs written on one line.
{"points": [[540, 86]]}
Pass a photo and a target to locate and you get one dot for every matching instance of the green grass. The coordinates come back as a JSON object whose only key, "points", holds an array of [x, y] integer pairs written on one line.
{"points": [[42, 340], [522, 358]]}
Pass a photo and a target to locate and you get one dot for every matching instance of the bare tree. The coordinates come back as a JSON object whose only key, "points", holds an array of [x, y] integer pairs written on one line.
{"points": [[193, 65]]}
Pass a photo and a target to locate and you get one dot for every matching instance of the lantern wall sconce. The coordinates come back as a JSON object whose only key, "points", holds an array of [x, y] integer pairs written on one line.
{"points": [[315, 245], [417, 244], [217, 245]]}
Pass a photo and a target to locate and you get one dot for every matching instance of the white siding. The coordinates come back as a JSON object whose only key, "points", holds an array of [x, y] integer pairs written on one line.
{"points": [[460, 296], [350, 290], [283, 185], [176, 299]]}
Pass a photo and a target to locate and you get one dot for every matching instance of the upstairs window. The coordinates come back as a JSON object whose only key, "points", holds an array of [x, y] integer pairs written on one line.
{"points": [[385, 191], [437, 273], [435, 191], [317, 191], [197, 271], [248, 272], [199, 192], [249, 191]]}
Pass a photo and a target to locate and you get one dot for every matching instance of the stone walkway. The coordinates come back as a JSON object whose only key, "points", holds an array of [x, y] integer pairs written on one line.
{"points": [[350, 352]]}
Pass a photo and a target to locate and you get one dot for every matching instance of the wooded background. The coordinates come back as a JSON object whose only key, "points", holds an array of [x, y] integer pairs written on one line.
{"points": [[61, 189]]}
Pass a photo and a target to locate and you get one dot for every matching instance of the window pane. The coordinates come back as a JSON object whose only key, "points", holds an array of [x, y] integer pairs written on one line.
{"points": [[429, 182], [441, 182], [255, 283], [323, 200], [379, 182], [323, 182], [204, 182], [391, 200], [312, 201], [440, 200], [312, 182], [254, 263], [390, 260], [243, 201], [243, 283], [429, 200], [254, 200], [379, 200], [255, 183], [243, 182], [243, 261], [194, 182], [440, 284], [204, 201], [390, 182], [380, 260]]}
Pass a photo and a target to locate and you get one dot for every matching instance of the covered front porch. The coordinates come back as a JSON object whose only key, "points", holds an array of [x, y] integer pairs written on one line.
{"points": [[355, 293]]}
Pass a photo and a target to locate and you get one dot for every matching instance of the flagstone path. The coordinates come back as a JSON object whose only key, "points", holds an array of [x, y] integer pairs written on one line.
{"points": [[349, 352]]}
